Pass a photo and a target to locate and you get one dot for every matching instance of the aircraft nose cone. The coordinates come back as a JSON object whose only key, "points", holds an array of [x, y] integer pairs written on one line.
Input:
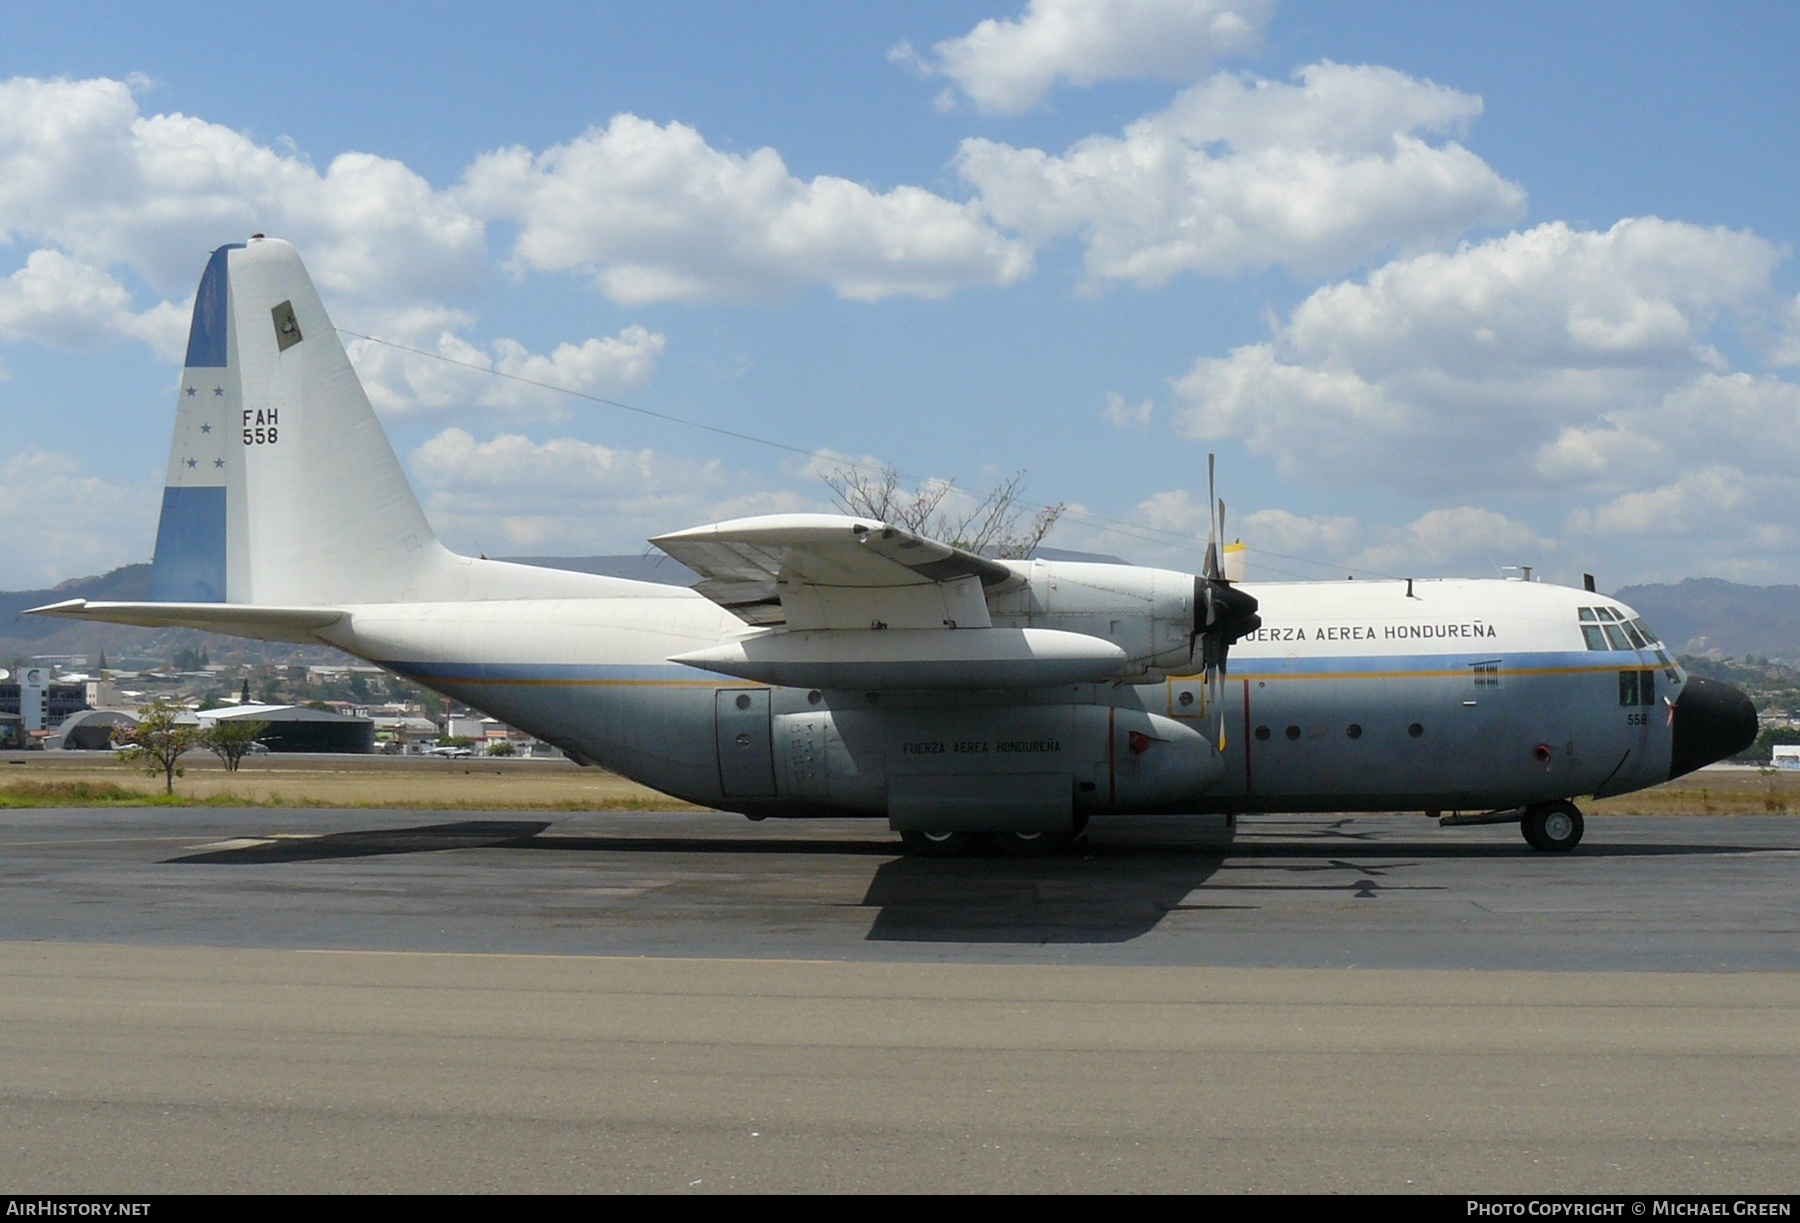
{"points": [[1713, 720]]}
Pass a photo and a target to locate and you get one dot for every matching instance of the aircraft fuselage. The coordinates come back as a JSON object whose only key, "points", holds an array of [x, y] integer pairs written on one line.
{"points": [[1463, 695]]}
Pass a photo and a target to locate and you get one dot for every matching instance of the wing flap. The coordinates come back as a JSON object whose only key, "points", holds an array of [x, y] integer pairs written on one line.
{"points": [[831, 571]]}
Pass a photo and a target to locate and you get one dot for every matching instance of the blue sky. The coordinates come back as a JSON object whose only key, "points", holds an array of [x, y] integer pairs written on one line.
{"points": [[1446, 286]]}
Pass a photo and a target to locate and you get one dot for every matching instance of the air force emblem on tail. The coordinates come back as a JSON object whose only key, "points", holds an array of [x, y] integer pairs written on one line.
{"points": [[287, 327]]}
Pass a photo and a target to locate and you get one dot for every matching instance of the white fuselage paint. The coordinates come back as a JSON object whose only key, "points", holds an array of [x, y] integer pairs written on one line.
{"points": [[1509, 703]]}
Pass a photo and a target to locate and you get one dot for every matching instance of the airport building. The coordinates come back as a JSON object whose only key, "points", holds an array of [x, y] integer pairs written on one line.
{"points": [[298, 728], [40, 703], [89, 730]]}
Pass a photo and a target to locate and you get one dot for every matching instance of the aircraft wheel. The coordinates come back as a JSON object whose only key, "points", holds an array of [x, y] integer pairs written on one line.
{"points": [[1032, 844], [1553, 827], [937, 844]]}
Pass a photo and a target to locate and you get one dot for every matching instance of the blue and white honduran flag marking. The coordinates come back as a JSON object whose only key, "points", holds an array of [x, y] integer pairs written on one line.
{"points": [[205, 467]]}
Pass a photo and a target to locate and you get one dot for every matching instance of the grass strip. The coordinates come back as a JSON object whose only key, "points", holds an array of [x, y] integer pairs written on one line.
{"points": [[27, 794]]}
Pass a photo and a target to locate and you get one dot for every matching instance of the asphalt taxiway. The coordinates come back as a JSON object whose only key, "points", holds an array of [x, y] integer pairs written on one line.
{"points": [[208, 998]]}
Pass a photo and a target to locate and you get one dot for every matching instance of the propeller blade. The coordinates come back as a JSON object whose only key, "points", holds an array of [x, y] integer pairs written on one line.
{"points": [[1216, 693], [1212, 520], [1222, 613]]}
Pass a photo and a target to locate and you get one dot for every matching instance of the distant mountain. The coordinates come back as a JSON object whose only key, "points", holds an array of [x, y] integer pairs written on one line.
{"points": [[1703, 615]]}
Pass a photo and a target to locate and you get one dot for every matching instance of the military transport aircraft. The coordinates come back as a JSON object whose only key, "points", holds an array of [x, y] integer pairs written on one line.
{"points": [[831, 665]]}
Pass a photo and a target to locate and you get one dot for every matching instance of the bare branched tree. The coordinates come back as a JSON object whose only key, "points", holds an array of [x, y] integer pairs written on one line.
{"points": [[989, 525]]}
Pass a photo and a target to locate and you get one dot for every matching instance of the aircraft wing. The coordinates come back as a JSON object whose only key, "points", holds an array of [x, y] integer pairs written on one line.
{"points": [[830, 571], [846, 602]]}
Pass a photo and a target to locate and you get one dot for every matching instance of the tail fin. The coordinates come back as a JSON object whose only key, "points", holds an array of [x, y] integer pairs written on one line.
{"points": [[282, 487]]}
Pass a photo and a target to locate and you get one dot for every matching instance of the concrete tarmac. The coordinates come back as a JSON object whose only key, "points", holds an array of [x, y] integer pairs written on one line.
{"points": [[199, 999]]}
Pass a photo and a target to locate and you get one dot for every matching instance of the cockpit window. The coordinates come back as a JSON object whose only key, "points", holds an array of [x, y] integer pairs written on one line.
{"points": [[1595, 639], [1605, 628]]}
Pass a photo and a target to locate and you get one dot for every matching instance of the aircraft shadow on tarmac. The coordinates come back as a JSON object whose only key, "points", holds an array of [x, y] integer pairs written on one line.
{"points": [[505, 834], [464, 834], [1118, 886]]}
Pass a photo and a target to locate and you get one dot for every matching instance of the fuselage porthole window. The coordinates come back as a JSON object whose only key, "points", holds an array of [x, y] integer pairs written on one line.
{"points": [[1415, 730], [1262, 732], [1353, 730]]}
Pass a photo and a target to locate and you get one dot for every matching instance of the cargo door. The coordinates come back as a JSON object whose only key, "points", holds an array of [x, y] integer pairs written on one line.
{"points": [[746, 752]]}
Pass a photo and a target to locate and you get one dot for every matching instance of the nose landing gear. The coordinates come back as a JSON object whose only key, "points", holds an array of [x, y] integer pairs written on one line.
{"points": [[1553, 827]]}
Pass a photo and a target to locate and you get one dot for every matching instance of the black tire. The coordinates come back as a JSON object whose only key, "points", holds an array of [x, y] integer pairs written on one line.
{"points": [[938, 844], [1552, 827], [1032, 844]]}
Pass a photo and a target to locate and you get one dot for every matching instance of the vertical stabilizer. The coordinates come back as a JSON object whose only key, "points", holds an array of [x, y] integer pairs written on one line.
{"points": [[191, 535], [282, 487]]}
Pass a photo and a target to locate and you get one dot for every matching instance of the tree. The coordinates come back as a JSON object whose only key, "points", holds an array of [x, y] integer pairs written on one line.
{"points": [[989, 525], [158, 741], [189, 659], [230, 739]]}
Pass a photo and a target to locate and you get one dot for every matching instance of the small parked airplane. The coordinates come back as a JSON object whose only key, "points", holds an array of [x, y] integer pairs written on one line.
{"points": [[832, 665]]}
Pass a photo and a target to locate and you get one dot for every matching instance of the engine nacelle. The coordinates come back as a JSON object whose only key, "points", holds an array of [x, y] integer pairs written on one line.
{"points": [[1148, 613]]}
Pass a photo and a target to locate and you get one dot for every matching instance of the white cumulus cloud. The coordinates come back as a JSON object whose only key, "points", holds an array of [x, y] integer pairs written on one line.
{"points": [[82, 168], [1008, 66], [1511, 361], [96, 525], [1240, 173], [570, 496], [458, 375], [1578, 372], [656, 214], [64, 303], [1128, 415], [1458, 539]]}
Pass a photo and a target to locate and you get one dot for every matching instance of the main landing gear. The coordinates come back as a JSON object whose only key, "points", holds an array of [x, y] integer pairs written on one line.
{"points": [[1012, 844], [1554, 827], [938, 844]]}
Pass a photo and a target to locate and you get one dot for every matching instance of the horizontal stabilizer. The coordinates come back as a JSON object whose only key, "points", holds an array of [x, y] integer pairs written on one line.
{"points": [[237, 619], [914, 658]]}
